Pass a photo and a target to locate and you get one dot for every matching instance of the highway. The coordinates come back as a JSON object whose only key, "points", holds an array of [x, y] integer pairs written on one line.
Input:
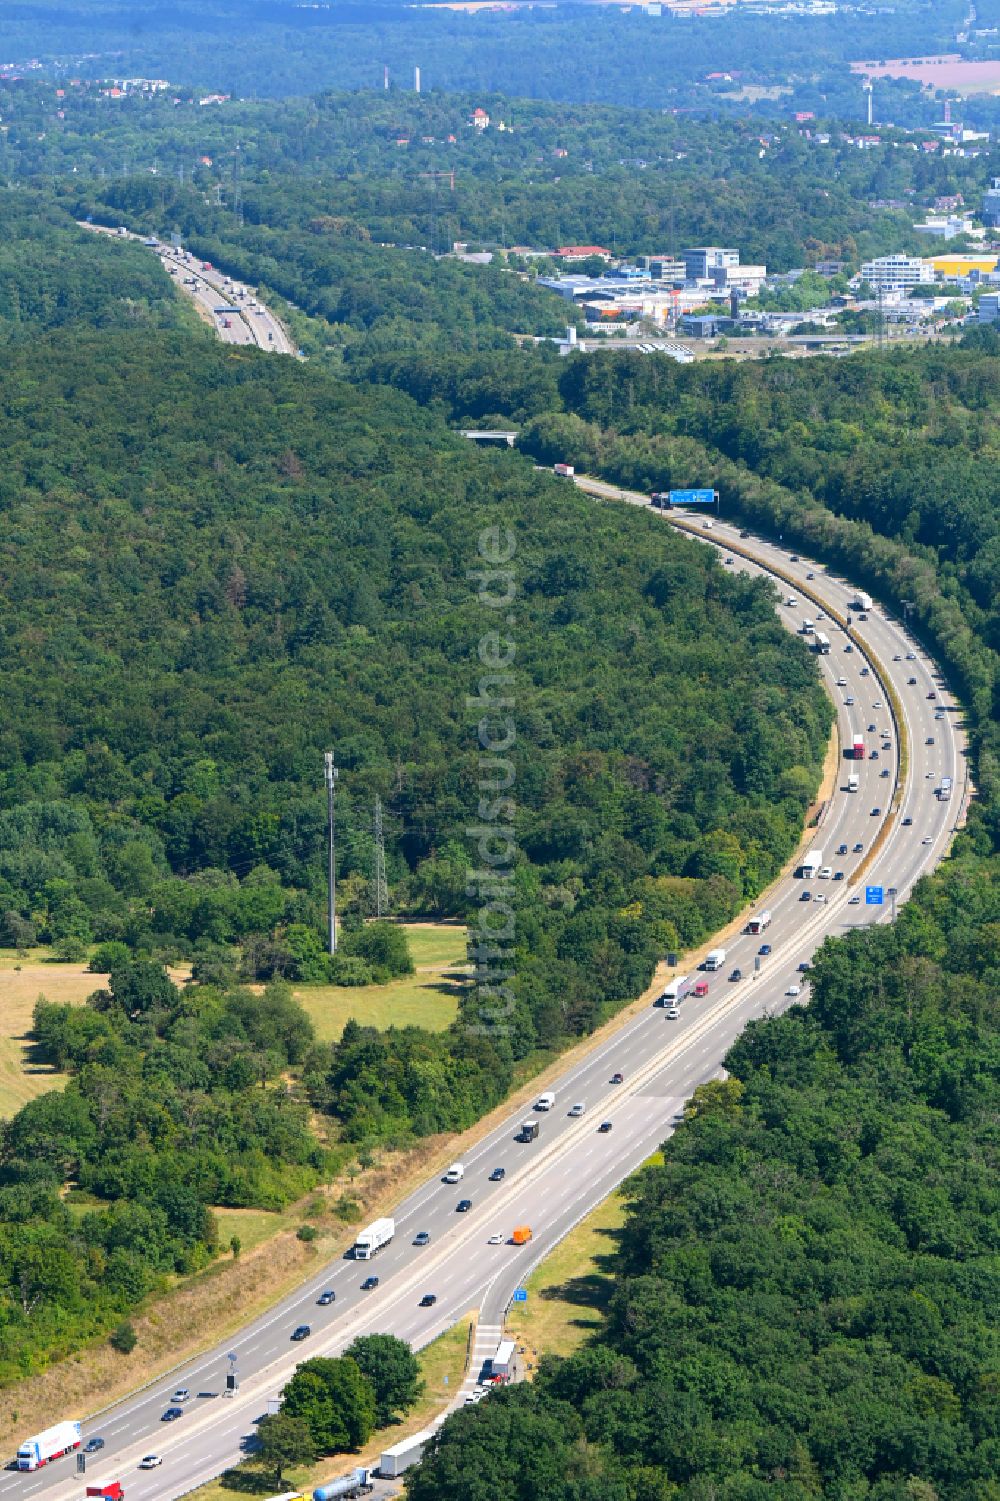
{"points": [[234, 310], [553, 1182]]}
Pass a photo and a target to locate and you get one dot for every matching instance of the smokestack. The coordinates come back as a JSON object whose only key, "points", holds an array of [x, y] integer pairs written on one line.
{"points": [[871, 102], [385, 77], [416, 80]]}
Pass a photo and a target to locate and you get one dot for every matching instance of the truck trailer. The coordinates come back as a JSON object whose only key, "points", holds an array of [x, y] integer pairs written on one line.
{"points": [[409, 1451], [863, 602], [372, 1239], [857, 751], [715, 960], [358, 1483], [760, 922], [565, 471], [50, 1444], [675, 991], [502, 1362], [811, 864], [821, 644]]}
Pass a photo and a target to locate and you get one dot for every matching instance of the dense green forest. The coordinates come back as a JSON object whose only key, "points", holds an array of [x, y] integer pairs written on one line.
{"points": [[570, 52], [216, 564]]}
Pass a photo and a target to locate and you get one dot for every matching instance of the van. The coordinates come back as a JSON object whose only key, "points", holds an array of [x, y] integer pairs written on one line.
{"points": [[825, 873], [521, 1235], [545, 1101], [455, 1173]]}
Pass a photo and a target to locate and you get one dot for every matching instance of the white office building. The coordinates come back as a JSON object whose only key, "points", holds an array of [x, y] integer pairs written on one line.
{"points": [[989, 307], [896, 273]]}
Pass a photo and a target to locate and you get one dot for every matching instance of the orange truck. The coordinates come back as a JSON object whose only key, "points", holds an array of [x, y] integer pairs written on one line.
{"points": [[521, 1235]]}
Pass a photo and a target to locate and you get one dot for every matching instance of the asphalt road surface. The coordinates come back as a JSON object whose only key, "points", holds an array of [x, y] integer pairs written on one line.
{"points": [[553, 1182]]}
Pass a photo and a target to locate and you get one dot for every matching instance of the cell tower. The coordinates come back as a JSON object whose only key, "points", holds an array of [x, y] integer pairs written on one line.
{"points": [[380, 888], [870, 89], [416, 80]]}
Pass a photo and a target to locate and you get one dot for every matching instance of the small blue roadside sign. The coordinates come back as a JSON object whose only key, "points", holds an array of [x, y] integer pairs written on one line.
{"points": [[692, 497], [873, 896], [521, 1296]]}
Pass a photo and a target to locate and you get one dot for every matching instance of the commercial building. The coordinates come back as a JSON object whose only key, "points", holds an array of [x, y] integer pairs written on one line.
{"points": [[895, 273], [951, 267], [991, 205], [989, 307], [700, 262]]}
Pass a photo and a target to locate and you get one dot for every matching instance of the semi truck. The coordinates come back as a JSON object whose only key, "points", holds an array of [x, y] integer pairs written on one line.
{"points": [[565, 471], [409, 1451], [358, 1483], [110, 1491], [821, 644], [50, 1444], [863, 602], [760, 922], [675, 991], [811, 864], [857, 748], [715, 959], [660, 500], [371, 1240], [944, 791]]}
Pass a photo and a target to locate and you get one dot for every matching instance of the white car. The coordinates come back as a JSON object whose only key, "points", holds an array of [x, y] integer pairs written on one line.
{"points": [[820, 897], [577, 1109], [854, 902], [794, 990], [849, 701], [495, 1240], [150, 1462], [673, 1012], [841, 682], [181, 1395], [877, 704]]}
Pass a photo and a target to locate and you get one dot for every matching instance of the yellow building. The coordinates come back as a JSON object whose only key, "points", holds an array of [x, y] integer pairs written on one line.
{"points": [[952, 266]]}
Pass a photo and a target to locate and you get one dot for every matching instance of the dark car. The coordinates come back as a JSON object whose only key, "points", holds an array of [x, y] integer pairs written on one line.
{"points": [[876, 812], [858, 847], [463, 1206], [737, 974], [794, 558], [912, 682], [421, 1238], [618, 1078], [765, 948], [871, 729], [325, 1299], [604, 1128], [841, 849], [929, 740], [498, 1175], [805, 897], [428, 1300], [303, 1331], [873, 755], [93, 1445], [932, 694], [369, 1285], [884, 772], [744, 534], [907, 823], [172, 1414], [805, 967], [838, 875]]}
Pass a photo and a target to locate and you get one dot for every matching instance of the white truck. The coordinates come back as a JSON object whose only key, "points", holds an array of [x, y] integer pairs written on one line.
{"points": [[675, 991], [51, 1443], [565, 471], [715, 960], [502, 1362], [371, 1240], [409, 1451], [759, 923], [812, 864], [863, 602]]}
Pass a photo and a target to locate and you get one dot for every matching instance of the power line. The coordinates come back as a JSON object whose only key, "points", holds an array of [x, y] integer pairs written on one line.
{"points": [[330, 772], [381, 888]]}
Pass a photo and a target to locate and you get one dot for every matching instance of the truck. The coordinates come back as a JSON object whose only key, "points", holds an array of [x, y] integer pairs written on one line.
{"points": [[520, 1235], [660, 500], [51, 1443], [675, 991], [863, 602], [565, 471], [502, 1361], [808, 626], [528, 1131], [358, 1483], [944, 791], [409, 1451], [111, 1490], [821, 644], [760, 922], [715, 959], [372, 1240], [853, 782], [857, 752], [812, 863]]}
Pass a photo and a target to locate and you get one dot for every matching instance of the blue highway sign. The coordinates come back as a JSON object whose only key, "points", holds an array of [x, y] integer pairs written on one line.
{"points": [[520, 1296], [873, 896], [692, 497]]}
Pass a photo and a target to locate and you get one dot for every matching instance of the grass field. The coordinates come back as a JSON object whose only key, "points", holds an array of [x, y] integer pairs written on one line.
{"points": [[442, 1365], [22, 981], [428, 998]]}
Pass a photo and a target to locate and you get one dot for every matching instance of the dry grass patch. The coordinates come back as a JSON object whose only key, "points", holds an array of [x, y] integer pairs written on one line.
{"points": [[569, 1292], [22, 982]]}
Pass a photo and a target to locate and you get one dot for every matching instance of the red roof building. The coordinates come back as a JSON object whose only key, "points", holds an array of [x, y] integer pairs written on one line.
{"points": [[582, 252]]}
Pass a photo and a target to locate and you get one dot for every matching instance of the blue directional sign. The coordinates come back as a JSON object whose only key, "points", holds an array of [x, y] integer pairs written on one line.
{"points": [[873, 896], [692, 497], [521, 1296]]}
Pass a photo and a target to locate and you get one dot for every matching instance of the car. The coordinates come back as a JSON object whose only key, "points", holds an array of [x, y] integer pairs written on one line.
{"points": [[577, 1109], [838, 875], [804, 967], [929, 740], [794, 558], [854, 902], [841, 849], [848, 647], [810, 575], [794, 990], [428, 1300], [744, 535], [907, 823], [858, 847], [498, 1175], [926, 841], [93, 1445], [872, 729], [326, 1298], [730, 562], [849, 700], [181, 1395], [150, 1462], [878, 704], [301, 1332], [841, 682], [911, 682], [604, 1128], [862, 616], [884, 772], [422, 1238], [820, 897], [865, 671], [672, 1013], [939, 715], [911, 656], [495, 1240], [765, 948], [873, 755], [463, 1206], [897, 658], [805, 897], [172, 1414], [876, 813], [617, 1077], [824, 873], [369, 1285], [737, 974], [932, 694]]}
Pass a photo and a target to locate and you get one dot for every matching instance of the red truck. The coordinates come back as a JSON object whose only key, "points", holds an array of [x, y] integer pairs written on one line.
{"points": [[111, 1491]]}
